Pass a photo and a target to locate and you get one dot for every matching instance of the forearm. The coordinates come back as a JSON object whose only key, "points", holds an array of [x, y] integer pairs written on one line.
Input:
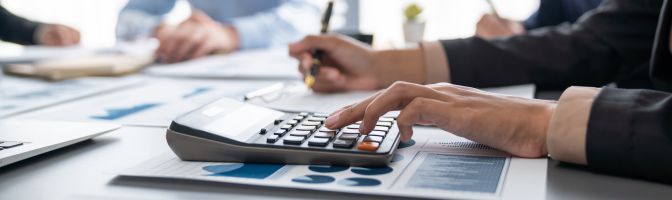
{"points": [[275, 27], [400, 65], [139, 18], [599, 49], [630, 134], [617, 131], [16, 29]]}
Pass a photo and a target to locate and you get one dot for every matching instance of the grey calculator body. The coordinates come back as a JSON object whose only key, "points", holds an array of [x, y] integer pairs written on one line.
{"points": [[232, 131]]}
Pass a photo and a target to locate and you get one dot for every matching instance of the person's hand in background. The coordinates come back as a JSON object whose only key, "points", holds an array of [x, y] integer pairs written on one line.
{"points": [[197, 36], [491, 26], [351, 65], [512, 124], [57, 35]]}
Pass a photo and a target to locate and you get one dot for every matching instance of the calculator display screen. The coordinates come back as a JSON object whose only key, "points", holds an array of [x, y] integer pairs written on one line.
{"points": [[231, 119]]}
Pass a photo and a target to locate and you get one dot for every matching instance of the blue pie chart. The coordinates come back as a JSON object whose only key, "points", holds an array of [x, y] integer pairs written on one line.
{"points": [[359, 182], [397, 157], [243, 170], [327, 168], [370, 171], [314, 179], [406, 144], [216, 169]]}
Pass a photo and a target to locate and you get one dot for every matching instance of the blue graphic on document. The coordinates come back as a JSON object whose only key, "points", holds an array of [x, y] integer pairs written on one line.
{"points": [[458, 173], [359, 182], [196, 91], [313, 179], [327, 168], [116, 113], [243, 170], [371, 170]]}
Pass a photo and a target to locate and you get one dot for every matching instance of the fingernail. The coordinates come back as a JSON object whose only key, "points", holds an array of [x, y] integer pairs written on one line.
{"points": [[331, 120]]}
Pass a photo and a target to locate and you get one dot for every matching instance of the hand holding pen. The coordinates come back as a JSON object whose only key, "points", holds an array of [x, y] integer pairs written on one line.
{"points": [[317, 54]]}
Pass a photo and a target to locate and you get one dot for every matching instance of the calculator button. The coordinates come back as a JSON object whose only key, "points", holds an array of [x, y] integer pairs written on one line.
{"points": [[262, 131], [293, 140], [323, 135], [318, 141], [348, 136], [303, 114], [320, 115], [306, 128], [286, 127], [277, 122], [300, 133], [316, 119], [368, 146], [299, 118], [311, 123], [280, 132], [381, 128], [386, 124], [351, 131], [386, 119], [292, 122], [327, 130], [272, 138], [353, 126], [371, 138], [344, 143], [377, 133]]}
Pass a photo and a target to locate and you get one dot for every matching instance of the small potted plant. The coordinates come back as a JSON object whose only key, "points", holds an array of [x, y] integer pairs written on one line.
{"points": [[414, 27]]}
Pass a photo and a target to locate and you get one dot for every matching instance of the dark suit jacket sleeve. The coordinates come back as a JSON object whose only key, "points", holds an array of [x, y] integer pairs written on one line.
{"points": [[16, 29], [630, 133], [610, 44], [554, 12]]}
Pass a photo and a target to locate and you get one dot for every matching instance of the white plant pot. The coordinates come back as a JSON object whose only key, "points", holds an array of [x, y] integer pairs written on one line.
{"points": [[414, 31]]}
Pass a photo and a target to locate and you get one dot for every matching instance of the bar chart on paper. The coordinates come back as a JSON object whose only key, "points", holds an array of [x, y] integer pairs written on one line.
{"points": [[21, 95], [153, 104]]}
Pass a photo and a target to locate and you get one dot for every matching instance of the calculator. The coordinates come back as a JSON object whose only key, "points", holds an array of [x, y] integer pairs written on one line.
{"points": [[227, 130]]}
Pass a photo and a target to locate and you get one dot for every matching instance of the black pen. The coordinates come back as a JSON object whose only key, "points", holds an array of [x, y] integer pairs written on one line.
{"points": [[317, 54]]}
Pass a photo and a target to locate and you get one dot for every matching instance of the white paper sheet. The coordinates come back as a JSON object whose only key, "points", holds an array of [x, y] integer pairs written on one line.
{"points": [[18, 95], [156, 103], [435, 165], [295, 97], [255, 64]]}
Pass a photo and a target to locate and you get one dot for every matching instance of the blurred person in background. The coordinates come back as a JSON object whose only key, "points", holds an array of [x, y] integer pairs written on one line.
{"points": [[22, 31], [550, 13], [217, 26]]}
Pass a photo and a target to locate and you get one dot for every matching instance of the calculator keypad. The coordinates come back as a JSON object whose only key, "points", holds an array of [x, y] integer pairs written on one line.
{"points": [[307, 129]]}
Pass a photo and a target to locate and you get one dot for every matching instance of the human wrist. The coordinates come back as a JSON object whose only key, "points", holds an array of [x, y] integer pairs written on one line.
{"points": [[546, 110], [233, 36], [568, 127], [399, 65], [38, 34]]}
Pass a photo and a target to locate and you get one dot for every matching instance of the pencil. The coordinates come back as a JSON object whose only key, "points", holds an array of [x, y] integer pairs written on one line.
{"points": [[317, 54], [494, 9]]}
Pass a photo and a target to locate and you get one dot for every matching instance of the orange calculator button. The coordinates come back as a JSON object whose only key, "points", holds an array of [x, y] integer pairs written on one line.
{"points": [[368, 146]]}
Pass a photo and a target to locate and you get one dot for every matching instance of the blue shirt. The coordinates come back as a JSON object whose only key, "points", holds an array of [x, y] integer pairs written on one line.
{"points": [[554, 12], [259, 23]]}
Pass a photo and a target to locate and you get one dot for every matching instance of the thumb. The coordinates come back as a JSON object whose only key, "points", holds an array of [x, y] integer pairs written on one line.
{"points": [[308, 43]]}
